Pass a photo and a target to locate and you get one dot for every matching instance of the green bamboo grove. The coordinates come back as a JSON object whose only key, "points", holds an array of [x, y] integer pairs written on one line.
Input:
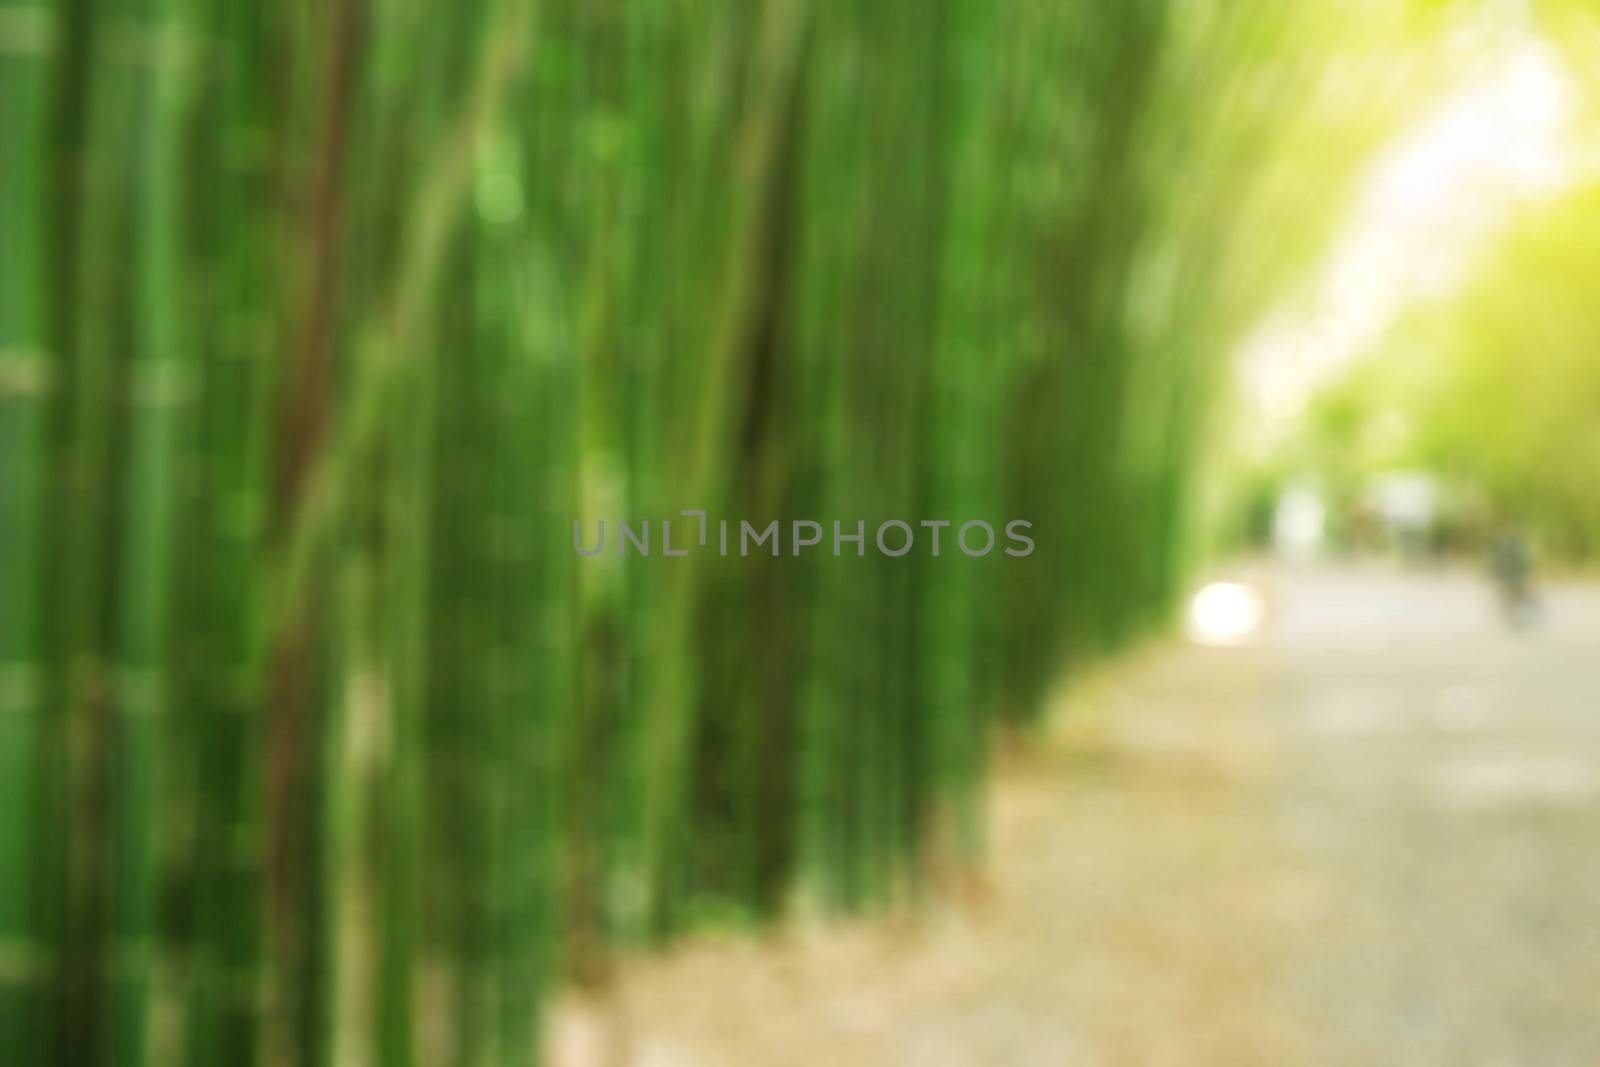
{"points": [[321, 324]]}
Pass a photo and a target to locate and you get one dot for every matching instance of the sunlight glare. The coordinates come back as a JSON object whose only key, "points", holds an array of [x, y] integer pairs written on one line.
{"points": [[1432, 201], [1225, 613]]}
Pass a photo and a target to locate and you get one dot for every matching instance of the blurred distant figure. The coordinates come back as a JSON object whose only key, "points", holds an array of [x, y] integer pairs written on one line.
{"points": [[1511, 566], [1407, 504], [1299, 526]]}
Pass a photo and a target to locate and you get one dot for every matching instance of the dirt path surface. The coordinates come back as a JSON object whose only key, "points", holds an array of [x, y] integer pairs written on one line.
{"points": [[1372, 836]]}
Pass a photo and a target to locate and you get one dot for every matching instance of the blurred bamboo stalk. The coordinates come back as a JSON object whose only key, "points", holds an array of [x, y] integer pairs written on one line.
{"points": [[28, 373]]}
